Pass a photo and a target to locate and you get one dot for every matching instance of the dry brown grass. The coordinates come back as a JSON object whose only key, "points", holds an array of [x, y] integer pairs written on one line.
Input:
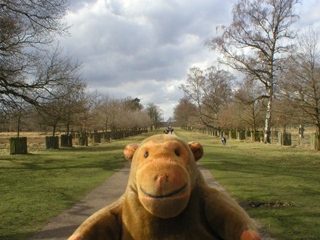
{"points": [[35, 140]]}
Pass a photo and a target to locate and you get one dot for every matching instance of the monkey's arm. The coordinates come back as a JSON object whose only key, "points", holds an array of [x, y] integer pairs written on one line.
{"points": [[104, 224], [228, 219]]}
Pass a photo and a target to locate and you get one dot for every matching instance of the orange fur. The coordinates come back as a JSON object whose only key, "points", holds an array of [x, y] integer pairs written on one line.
{"points": [[251, 235], [167, 198]]}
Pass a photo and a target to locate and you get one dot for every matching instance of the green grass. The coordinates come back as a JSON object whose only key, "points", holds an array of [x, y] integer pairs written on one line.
{"points": [[38, 186], [279, 186]]}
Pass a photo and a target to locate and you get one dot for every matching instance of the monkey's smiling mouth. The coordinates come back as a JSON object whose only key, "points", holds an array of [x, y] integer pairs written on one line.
{"points": [[166, 195]]}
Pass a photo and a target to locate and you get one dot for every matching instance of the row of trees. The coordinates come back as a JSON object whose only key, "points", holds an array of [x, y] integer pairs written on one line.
{"points": [[81, 111], [280, 68], [41, 86]]}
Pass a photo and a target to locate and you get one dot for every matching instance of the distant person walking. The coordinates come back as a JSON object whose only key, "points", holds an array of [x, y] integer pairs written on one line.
{"points": [[169, 130], [224, 140]]}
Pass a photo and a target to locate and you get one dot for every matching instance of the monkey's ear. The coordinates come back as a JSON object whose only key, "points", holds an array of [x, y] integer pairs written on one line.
{"points": [[129, 151], [197, 150]]}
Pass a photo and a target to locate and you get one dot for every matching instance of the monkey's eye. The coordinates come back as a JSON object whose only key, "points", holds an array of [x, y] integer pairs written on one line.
{"points": [[177, 152], [146, 154]]}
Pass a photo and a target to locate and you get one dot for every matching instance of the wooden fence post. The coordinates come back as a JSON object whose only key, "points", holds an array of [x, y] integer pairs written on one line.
{"points": [[106, 136], [248, 133], [274, 137], [287, 139], [96, 137], [280, 138], [241, 135], [252, 136], [52, 142], [284, 139], [233, 134], [315, 141], [257, 136], [66, 140], [83, 139], [262, 136], [18, 145]]}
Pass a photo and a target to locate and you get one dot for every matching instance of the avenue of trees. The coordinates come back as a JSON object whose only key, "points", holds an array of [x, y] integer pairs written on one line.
{"points": [[82, 111], [41, 88], [279, 71]]}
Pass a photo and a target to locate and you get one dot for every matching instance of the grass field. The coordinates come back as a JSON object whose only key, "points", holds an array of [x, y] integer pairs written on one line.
{"points": [[37, 186], [278, 186]]}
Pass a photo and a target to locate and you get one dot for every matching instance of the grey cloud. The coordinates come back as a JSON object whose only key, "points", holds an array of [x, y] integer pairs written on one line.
{"points": [[148, 43], [116, 47]]}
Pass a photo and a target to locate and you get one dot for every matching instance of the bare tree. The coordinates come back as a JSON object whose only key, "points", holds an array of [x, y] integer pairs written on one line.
{"points": [[73, 104], [84, 117], [17, 114], [52, 114], [115, 113], [231, 117], [285, 114], [105, 110], [26, 27], [96, 110], [194, 90], [185, 113], [301, 83], [248, 98], [256, 41], [54, 103], [122, 113], [155, 114], [209, 90]]}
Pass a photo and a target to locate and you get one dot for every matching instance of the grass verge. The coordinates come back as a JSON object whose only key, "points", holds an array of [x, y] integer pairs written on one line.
{"points": [[279, 186], [40, 185]]}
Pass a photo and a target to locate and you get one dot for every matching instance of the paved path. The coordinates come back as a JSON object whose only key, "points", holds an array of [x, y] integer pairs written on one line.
{"points": [[62, 226]]}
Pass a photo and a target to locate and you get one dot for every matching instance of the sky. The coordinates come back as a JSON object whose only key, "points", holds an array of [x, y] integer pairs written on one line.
{"points": [[145, 48]]}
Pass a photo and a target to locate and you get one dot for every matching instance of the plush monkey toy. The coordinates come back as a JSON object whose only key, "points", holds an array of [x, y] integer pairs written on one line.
{"points": [[167, 199]]}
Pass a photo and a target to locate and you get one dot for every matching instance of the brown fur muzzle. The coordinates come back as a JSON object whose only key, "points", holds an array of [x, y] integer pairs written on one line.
{"points": [[164, 188]]}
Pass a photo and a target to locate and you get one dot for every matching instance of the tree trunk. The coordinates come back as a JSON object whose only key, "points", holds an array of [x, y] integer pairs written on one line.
{"points": [[19, 121], [54, 130], [267, 124], [68, 128]]}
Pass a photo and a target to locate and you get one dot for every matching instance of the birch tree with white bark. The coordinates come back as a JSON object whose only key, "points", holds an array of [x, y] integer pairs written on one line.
{"points": [[256, 41]]}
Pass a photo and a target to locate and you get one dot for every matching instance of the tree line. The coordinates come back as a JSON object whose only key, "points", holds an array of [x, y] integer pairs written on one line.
{"points": [[40, 86], [83, 111], [275, 73]]}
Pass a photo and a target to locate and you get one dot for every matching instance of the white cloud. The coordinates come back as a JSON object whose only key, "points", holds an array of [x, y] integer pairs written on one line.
{"points": [[144, 48]]}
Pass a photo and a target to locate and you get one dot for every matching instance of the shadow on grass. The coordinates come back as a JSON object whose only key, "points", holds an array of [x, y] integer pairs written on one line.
{"points": [[105, 165], [14, 236], [59, 232], [97, 148], [105, 157], [242, 163], [264, 170]]}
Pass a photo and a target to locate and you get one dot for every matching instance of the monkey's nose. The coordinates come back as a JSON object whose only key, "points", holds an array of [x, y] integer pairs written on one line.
{"points": [[161, 180], [161, 177]]}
